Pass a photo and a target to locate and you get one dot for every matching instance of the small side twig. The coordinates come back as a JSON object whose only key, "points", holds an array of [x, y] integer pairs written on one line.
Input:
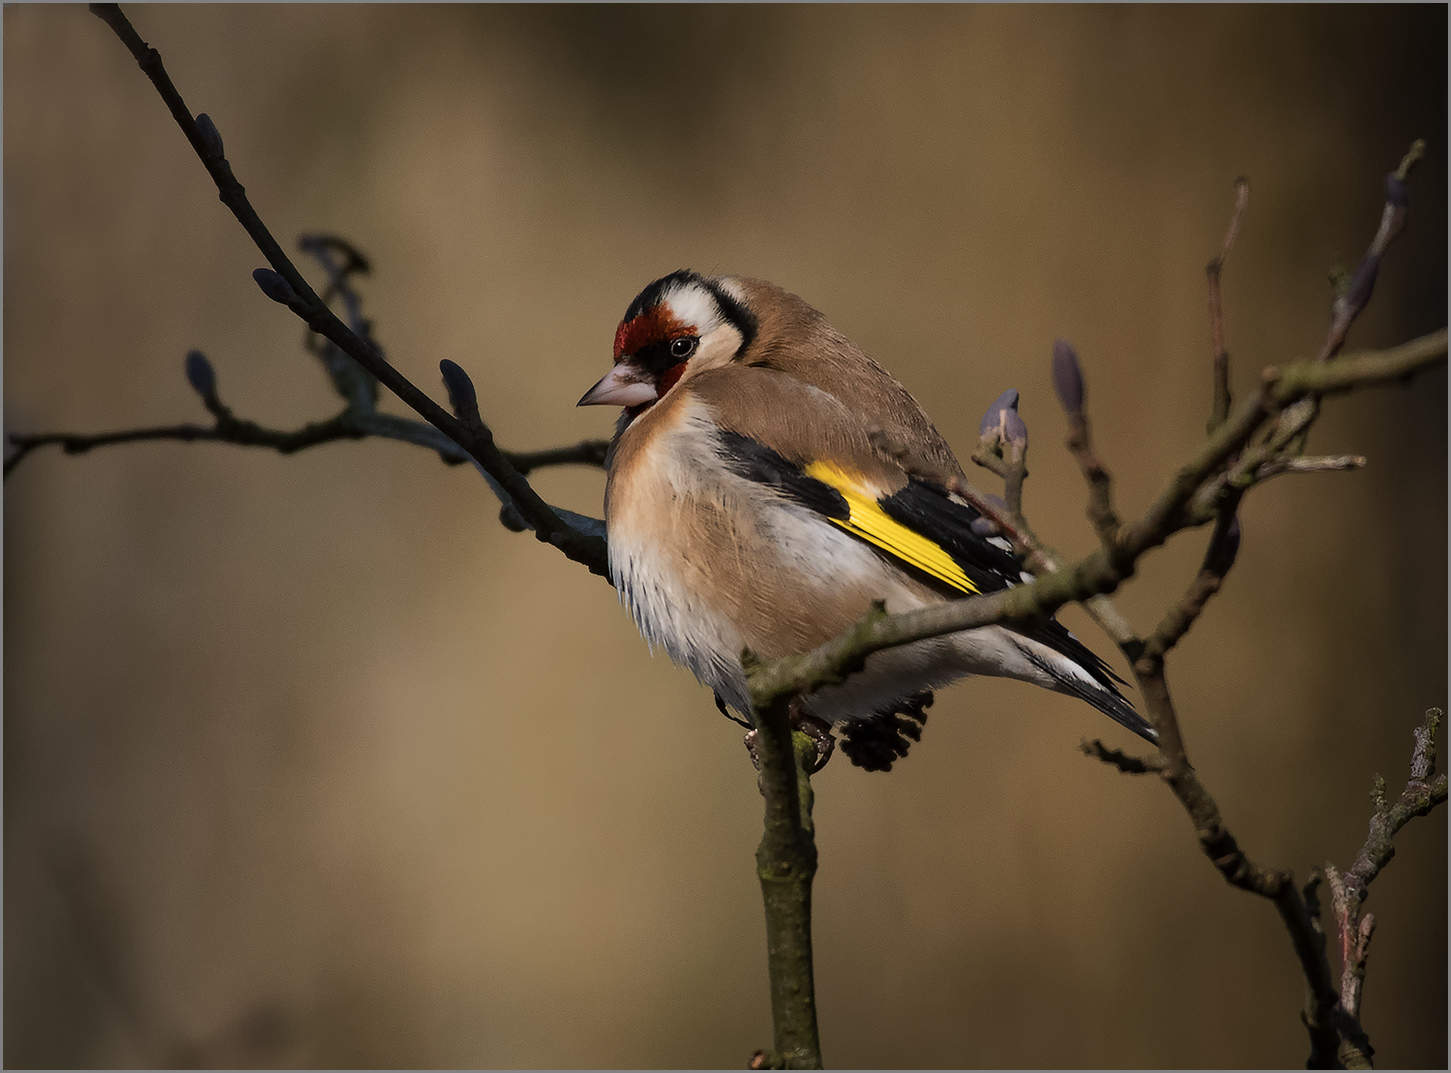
{"points": [[1219, 408], [348, 425], [1424, 790], [1218, 558], [1356, 295], [1072, 395], [1125, 762], [284, 284]]}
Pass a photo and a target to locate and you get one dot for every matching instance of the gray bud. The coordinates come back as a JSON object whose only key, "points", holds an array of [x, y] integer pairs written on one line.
{"points": [[210, 138], [1015, 431], [274, 286], [461, 394], [992, 419], [199, 374], [1067, 377]]}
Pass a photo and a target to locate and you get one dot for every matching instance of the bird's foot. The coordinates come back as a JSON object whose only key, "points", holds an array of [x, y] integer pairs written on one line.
{"points": [[818, 730]]}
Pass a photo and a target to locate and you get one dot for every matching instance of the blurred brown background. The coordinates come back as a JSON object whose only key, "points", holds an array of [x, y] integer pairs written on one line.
{"points": [[308, 761]]}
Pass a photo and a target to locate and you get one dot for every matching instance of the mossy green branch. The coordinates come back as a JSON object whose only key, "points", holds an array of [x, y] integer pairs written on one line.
{"points": [[786, 865]]}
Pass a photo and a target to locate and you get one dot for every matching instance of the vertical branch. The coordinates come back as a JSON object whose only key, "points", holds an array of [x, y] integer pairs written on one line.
{"points": [[1219, 409], [786, 865], [1349, 890], [1069, 387]]}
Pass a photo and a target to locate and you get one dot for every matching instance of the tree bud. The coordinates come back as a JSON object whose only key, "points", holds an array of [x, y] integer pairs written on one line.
{"points": [[992, 419], [199, 374], [1015, 431], [274, 286], [461, 395], [210, 137], [1067, 377]]}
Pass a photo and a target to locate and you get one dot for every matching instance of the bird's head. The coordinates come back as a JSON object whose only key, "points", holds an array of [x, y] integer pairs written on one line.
{"points": [[681, 323]]}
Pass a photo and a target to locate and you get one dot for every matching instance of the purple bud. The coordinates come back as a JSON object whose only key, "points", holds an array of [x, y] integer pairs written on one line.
{"points": [[1362, 283], [1396, 191], [1014, 430], [992, 419], [1223, 548], [274, 286], [199, 374], [210, 138], [1067, 377], [461, 395]]}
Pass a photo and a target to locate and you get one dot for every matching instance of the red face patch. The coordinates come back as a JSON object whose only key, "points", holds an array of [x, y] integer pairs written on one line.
{"points": [[656, 325]]}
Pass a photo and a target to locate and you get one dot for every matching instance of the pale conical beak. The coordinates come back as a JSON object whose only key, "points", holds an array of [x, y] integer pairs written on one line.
{"points": [[621, 386]]}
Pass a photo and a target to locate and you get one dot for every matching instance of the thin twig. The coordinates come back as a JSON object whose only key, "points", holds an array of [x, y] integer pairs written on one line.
{"points": [[581, 545], [341, 261], [1224, 852], [1353, 294], [1125, 762], [348, 425], [1100, 485], [1218, 558], [1219, 409]]}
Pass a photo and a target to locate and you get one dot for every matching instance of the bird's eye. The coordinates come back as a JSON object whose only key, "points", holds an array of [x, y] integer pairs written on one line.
{"points": [[682, 348]]}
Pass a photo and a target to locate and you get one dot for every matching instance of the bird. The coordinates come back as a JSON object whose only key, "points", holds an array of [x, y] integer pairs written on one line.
{"points": [[768, 482]]}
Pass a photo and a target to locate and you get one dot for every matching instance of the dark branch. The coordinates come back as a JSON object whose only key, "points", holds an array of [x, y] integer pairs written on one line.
{"points": [[348, 425], [1069, 385], [1125, 762], [577, 543]]}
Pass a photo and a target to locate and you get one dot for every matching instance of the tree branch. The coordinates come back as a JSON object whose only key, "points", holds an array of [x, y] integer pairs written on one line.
{"points": [[1219, 408], [347, 425], [1349, 890], [1097, 573], [287, 286], [786, 866]]}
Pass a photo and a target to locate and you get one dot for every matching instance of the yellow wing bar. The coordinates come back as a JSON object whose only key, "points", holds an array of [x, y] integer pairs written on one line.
{"points": [[867, 519]]}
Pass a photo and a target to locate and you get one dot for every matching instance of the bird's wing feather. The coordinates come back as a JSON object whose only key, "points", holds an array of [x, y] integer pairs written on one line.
{"points": [[837, 472]]}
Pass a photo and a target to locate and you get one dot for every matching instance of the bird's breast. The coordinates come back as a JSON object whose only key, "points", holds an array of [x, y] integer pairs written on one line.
{"points": [[710, 563]]}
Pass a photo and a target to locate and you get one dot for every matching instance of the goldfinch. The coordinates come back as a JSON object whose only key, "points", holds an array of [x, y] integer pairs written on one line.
{"points": [[750, 503]]}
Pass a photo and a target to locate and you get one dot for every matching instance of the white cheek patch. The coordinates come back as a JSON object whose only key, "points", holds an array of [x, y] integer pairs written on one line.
{"points": [[692, 304], [718, 347]]}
